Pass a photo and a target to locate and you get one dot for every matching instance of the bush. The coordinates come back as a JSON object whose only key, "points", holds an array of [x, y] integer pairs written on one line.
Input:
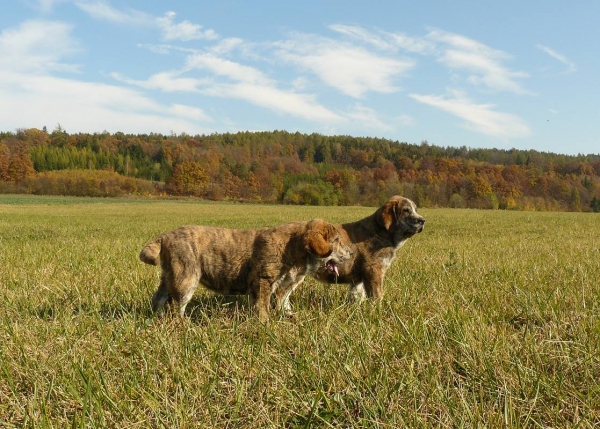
{"points": [[312, 194]]}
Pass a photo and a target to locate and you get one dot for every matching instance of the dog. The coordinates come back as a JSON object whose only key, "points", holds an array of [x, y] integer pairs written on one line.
{"points": [[286, 254], [254, 262], [374, 243]]}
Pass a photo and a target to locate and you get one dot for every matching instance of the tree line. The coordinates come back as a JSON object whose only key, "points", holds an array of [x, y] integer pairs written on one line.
{"points": [[295, 168]]}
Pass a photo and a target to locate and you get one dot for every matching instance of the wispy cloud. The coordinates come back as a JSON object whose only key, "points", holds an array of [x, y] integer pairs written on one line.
{"points": [[35, 50], [481, 118], [368, 118], [283, 102], [352, 70], [485, 64], [184, 30], [104, 11], [37, 46], [363, 35], [168, 81], [226, 68], [288, 77], [90, 107], [228, 79], [47, 5], [568, 63], [386, 41]]}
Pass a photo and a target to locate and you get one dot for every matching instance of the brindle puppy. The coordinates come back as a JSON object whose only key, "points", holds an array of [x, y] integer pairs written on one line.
{"points": [[232, 261], [375, 240]]}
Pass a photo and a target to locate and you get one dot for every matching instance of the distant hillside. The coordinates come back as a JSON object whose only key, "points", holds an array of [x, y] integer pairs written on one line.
{"points": [[295, 168]]}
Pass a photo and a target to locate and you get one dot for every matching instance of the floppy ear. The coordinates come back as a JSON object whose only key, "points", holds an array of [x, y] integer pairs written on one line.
{"points": [[387, 214], [316, 239]]}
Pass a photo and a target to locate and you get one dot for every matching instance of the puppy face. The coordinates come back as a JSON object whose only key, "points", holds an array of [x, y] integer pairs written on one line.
{"points": [[323, 240], [399, 215]]}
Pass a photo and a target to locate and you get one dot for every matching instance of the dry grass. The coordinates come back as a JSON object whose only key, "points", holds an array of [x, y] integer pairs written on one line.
{"points": [[490, 319]]}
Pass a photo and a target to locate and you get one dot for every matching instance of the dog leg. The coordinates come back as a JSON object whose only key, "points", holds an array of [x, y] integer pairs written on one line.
{"points": [[356, 292], [373, 282], [160, 297], [186, 288], [283, 294], [263, 299]]}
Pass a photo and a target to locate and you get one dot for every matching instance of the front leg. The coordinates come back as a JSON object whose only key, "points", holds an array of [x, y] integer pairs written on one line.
{"points": [[263, 299], [260, 294], [373, 282], [356, 292], [283, 292]]}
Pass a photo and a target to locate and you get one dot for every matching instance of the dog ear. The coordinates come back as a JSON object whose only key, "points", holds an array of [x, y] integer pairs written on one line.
{"points": [[387, 215], [316, 239]]}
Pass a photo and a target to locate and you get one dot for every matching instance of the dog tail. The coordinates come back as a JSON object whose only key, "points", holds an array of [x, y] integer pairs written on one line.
{"points": [[151, 252]]}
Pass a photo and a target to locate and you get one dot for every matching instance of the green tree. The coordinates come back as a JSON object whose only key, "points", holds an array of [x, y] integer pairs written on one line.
{"points": [[575, 200]]}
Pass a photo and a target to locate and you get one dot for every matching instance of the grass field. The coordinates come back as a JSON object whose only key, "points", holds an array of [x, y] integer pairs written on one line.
{"points": [[490, 319]]}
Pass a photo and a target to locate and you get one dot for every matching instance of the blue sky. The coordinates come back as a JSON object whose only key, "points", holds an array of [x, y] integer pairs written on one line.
{"points": [[522, 74]]}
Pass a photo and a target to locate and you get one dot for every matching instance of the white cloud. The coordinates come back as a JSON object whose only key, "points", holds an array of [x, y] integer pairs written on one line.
{"points": [[227, 45], [486, 64], [31, 52], [48, 5], [228, 79], [104, 11], [168, 81], [367, 118], [88, 107], [363, 35], [352, 70], [417, 45], [157, 49], [171, 30], [386, 41], [481, 118], [300, 105], [226, 68], [189, 112], [570, 65], [184, 30], [37, 46]]}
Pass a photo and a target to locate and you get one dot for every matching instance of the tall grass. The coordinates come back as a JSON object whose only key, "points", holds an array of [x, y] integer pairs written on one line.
{"points": [[490, 319]]}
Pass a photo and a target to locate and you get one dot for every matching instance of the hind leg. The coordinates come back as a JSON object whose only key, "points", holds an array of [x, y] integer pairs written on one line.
{"points": [[160, 297], [184, 289]]}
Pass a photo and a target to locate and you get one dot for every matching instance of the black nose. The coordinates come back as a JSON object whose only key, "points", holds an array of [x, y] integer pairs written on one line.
{"points": [[421, 221]]}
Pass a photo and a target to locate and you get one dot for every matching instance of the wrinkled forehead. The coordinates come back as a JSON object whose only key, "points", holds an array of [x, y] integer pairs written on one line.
{"points": [[405, 202]]}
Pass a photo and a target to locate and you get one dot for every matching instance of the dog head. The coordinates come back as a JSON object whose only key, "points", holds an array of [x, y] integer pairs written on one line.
{"points": [[399, 216], [324, 240]]}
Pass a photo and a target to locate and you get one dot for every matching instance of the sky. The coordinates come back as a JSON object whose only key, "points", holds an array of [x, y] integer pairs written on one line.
{"points": [[481, 74]]}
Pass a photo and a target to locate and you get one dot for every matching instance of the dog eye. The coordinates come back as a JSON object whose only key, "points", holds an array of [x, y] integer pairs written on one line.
{"points": [[406, 210]]}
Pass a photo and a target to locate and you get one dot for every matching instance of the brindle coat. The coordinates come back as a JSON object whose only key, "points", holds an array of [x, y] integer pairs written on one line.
{"points": [[375, 240], [232, 261]]}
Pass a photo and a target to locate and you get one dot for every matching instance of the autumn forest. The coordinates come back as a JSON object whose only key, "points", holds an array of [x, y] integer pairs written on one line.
{"points": [[294, 168]]}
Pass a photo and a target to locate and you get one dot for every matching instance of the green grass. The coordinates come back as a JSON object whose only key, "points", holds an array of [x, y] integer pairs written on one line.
{"points": [[490, 319]]}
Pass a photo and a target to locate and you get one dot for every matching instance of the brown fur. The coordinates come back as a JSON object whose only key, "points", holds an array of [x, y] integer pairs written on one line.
{"points": [[375, 240], [232, 261]]}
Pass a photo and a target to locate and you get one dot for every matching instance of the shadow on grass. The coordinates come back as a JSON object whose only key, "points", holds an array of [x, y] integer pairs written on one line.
{"points": [[205, 306], [202, 305]]}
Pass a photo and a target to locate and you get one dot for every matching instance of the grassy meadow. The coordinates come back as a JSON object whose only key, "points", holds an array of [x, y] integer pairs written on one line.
{"points": [[490, 319]]}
